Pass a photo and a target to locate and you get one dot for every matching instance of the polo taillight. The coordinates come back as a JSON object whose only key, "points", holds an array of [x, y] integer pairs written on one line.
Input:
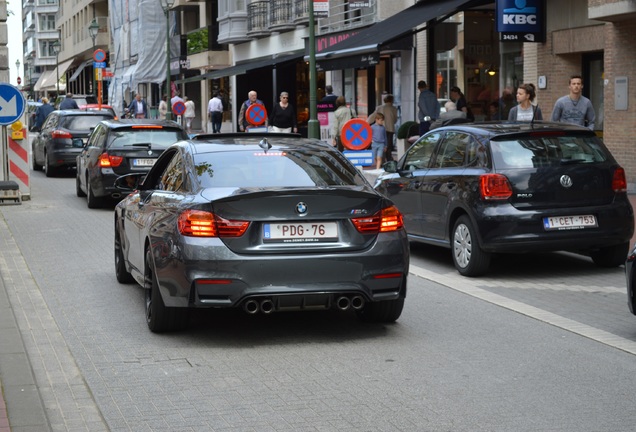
{"points": [[199, 223], [494, 187], [386, 220], [619, 181]]}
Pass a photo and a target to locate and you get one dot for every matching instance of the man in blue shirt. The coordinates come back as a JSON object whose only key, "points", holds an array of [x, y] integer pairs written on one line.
{"points": [[428, 107]]}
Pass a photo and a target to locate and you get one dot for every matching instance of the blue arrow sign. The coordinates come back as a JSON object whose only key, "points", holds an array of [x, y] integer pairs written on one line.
{"points": [[12, 104]]}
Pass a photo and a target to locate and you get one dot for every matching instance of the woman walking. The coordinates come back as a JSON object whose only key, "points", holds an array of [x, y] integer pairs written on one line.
{"points": [[283, 116], [525, 111]]}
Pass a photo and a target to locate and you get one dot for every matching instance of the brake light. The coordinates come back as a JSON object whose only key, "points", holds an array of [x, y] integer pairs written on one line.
{"points": [[198, 223], [61, 134], [147, 127], [110, 161], [494, 187], [386, 220], [619, 181]]}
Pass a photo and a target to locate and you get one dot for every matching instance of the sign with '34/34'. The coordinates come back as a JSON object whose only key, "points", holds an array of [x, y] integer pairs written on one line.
{"points": [[521, 20]]}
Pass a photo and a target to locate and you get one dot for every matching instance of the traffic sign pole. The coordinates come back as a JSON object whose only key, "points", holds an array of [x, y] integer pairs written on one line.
{"points": [[12, 107]]}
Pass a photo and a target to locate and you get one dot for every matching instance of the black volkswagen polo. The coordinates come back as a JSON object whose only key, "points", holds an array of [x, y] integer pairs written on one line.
{"points": [[512, 187]]}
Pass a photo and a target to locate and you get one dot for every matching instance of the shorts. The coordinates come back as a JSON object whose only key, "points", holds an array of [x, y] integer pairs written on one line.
{"points": [[377, 149]]}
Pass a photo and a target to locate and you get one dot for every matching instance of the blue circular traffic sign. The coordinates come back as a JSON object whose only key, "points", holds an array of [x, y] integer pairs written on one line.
{"points": [[256, 114], [178, 108], [12, 104], [356, 134]]}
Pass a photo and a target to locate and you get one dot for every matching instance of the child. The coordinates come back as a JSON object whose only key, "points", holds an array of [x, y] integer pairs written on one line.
{"points": [[378, 139]]}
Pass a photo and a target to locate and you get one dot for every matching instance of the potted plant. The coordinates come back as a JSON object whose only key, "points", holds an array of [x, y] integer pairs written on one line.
{"points": [[403, 136]]}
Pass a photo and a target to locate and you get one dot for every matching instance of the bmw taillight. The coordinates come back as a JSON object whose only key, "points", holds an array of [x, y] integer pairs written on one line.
{"points": [[386, 220], [60, 134], [110, 161], [619, 181], [494, 187], [199, 223]]}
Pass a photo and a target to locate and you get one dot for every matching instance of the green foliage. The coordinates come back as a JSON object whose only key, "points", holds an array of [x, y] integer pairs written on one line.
{"points": [[404, 129], [198, 41]]}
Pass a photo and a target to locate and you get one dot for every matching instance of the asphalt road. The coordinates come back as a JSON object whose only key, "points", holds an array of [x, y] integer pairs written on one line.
{"points": [[542, 343]]}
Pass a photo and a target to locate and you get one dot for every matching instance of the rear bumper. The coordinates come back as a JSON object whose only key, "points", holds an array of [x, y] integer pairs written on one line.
{"points": [[213, 276]]}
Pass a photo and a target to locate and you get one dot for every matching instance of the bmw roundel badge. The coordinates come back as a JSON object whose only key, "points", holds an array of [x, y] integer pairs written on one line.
{"points": [[301, 208]]}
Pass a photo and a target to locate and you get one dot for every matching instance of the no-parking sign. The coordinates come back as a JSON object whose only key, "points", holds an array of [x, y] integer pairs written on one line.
{"points": [[356, 134], [256, 114], [178, 108]]}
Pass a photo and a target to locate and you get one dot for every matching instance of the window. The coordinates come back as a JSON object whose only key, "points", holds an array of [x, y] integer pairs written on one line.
{"points": [[419, 155], [172, 178], [46, 22], [46, 48], [453, 150]]}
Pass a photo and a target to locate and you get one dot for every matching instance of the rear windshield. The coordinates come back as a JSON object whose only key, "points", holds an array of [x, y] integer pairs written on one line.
{"points": [[157, 138], [538, 151], [293, 168], [83, 122]]}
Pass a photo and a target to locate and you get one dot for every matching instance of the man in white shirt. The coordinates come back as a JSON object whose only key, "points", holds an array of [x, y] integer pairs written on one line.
{"points": [[215, 112]]}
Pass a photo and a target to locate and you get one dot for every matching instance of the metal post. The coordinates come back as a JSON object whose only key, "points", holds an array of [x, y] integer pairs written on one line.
{"points": [[93, 30], [313, 127], [56, 47], [166, 5]]}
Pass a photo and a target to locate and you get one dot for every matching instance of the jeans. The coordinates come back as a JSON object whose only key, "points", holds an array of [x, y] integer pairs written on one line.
{"points": [[217, 119]]}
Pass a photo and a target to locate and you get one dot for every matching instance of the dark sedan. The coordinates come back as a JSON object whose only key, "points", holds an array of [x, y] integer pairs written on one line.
{"points": [[491, 188], [264, 222], [62, 137], [121, 147]]}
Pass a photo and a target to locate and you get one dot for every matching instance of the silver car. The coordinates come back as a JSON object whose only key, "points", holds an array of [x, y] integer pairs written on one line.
{"points": [[262, 222]]}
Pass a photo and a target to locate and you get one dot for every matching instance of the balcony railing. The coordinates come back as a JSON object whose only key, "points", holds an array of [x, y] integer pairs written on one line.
{"points": [[301, 12], [257, 19], [281, 15]]}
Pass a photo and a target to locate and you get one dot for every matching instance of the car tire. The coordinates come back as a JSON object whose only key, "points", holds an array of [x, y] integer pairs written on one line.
{"points": [[611, 256], [469, 258], [123, 276], [78, 187], [48, 169], [161, 319], [91, 200], [36, 166], [386, 311]]}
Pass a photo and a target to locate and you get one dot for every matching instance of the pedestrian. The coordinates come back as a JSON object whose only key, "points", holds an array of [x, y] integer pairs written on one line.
{"points": [[574, 108], [342, 114], [163, 107], [215, 112], [390, 118], [68, 102], [42, 112], [252, 98], [283, 116], [451, 113], [378, 140], [525, 110], [176, 98], [428, 107], [189, 113], [458, 97], [329, 96], [138, 107]]}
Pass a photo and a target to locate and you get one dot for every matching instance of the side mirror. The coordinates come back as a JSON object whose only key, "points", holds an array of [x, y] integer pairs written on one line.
{"points": [[129, 182], [390, 166]]}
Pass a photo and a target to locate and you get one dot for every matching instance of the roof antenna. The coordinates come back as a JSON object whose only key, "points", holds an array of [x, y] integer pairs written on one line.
{"points": [[265, 145]]}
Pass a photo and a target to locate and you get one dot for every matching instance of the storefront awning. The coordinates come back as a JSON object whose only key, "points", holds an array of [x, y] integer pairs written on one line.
{"points": [[370, 39], [49, 82], [79, 70], [43, 77], [243, 67]]}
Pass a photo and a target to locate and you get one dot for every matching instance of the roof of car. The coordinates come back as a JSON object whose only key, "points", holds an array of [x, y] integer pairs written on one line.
{"points": [[127, 123], [514, 127], [241, 141]]}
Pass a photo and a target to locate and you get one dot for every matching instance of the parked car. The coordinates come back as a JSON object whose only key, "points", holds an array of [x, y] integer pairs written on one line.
{"points": [[512, 187], [631, 280], [262, 222], [80, 99], [121, 147], [97, 107], [62, 137]]}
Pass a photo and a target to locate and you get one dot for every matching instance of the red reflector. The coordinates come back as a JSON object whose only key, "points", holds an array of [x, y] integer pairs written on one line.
{"points": [[619, 181], [494, 187], [387, 276], [213, 281]]}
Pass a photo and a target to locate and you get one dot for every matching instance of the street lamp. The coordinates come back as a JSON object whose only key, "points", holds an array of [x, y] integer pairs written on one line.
{"points": [[17, 68], [166, 5], [56, 49], [93, 29]]}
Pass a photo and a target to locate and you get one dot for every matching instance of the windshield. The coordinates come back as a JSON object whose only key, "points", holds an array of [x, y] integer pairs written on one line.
{"points": [[290, 168], [84, 122], [158, 138]]}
